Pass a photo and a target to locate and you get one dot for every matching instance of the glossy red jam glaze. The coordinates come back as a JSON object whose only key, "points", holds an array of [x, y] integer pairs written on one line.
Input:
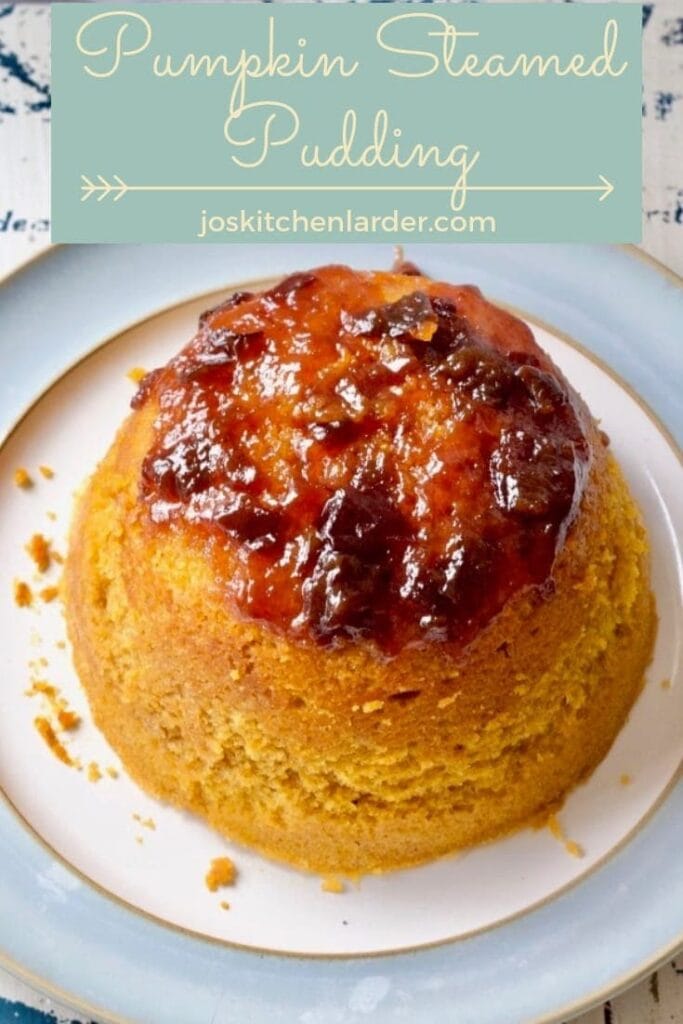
{"points": [[380, 456]]}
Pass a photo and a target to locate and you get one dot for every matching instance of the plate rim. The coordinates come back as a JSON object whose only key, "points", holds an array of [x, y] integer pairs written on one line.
{"points": [[566, 1014]]}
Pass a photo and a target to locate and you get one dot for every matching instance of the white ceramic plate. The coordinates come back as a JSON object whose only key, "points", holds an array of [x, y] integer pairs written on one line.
{"points": [[91, 826]]}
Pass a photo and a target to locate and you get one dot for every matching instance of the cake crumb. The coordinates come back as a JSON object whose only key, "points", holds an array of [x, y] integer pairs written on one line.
{"points": [[68, 720], [224, 905], [139, 839], [94, 773], [38, 549], [136, 373], [234, 675], [372, 705], [47, 472], [23, 595], [221, 872], [145, 822], [22, 478], [48, 594], [47, 732], [52, 516], [44, 688], [332, 884], [112, 772], [666, 684], [554, 826], [625, 779], [556, 830], [445, 701], [61, 645]]}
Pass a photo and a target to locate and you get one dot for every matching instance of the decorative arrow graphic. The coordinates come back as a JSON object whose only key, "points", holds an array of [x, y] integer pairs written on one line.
{"points": [[104, 189], [117, 188]]}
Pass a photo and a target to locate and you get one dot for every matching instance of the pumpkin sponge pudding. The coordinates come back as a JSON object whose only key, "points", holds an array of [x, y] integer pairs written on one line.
{"points": [[359, 580]]}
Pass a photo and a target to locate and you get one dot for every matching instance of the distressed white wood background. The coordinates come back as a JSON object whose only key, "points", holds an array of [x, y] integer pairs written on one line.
{"points": [[24, 231]]}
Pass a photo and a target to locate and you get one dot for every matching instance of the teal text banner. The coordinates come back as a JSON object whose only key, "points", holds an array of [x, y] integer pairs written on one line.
{"points": [[278, 122]]}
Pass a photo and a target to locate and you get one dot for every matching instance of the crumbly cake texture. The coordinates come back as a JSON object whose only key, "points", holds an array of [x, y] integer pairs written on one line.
{"points": [[221, 873], [323, 741]]}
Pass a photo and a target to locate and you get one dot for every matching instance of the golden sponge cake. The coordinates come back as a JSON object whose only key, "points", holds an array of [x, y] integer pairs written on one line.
{"points": [[359, 580]]}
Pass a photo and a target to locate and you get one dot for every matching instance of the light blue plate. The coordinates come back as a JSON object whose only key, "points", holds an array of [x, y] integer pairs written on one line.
{"points": [[614, 926]]}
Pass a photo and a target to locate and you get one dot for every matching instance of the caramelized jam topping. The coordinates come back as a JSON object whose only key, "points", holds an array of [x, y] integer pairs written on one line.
{"points": [[372, 456]]}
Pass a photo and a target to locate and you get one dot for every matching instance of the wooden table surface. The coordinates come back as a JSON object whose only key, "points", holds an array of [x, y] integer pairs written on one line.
{"points": [[24, 231]]}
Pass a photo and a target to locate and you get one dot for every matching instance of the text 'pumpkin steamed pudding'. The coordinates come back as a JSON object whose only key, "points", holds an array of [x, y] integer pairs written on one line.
{"points": [[359, 580]]}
